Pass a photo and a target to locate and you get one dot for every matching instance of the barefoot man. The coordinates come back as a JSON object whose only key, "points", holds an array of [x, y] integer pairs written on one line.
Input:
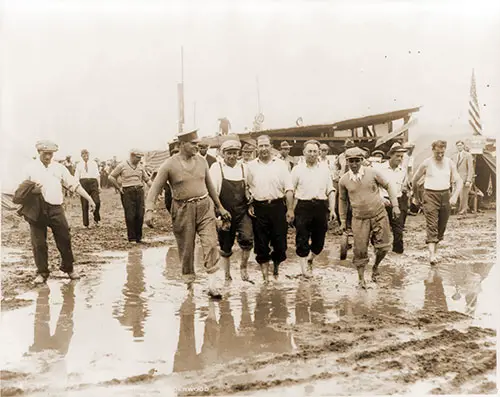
{"points": [[440, 173], [369, 218], [192, 210]]}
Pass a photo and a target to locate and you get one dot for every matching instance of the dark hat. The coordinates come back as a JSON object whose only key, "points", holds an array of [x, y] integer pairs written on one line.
{"points": [[191, 136], [46, 146], [349, 143], [396, 147], [354, 152], [285, 145]]}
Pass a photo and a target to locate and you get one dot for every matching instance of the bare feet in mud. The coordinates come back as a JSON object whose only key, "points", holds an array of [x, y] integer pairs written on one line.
{"points": [[362, 284], [375, 275]]}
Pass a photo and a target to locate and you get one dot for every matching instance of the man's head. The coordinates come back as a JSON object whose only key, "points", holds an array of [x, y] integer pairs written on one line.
{"points": [[264, 147], [460, 146], [285, 148], [409, 148], [46, 150], [354, 157], [203, 146], [188, 143], [247, 152], [396, 154], [85, 155], [438, 149], [230, 150], [324, 149], [311, 151], [136, 156], [378, 153], [349, 143]]}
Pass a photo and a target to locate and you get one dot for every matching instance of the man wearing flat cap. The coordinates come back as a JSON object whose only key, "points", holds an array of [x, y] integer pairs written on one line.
{"points": [[248, 151], [228, 178], [203, 146], [48, 177], [394, 172], [285, 155], [133, 176], [192, 210], [87, 172], [314, 205], [369, 218]]}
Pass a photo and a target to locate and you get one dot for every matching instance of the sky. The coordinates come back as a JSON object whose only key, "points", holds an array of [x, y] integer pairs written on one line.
{"points": [[102, 75]]}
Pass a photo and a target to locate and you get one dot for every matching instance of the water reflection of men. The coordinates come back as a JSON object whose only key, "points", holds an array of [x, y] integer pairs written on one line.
{"points": [[61, 338], [309, 303], [467, 280], [185, 358], [435, 299], [135, 310]]}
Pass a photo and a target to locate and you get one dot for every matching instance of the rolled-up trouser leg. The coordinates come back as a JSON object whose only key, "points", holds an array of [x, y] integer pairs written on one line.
{"points": [[431, 205], [206, 229], [319, 227], [444, 214], [380, 233], [278, 232], [184, 228], [244, 232], [361, 236]]}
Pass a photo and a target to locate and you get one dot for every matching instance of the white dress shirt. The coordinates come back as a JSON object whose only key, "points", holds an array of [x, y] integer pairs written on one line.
{"points": [[236, 173], [92, 171], [396, 177], [51, 178], [312, 182], [268, 181]]}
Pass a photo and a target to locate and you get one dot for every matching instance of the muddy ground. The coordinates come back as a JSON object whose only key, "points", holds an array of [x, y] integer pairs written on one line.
{"points": [[130, 328]]}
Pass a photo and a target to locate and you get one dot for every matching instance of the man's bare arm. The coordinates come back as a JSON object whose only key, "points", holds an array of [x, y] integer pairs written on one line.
{"points": [[420, 172], [157, 186], [212, 191]]}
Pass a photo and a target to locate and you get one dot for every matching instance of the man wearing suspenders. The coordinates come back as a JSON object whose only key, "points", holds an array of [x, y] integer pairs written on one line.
{"points": [[228, 178]]}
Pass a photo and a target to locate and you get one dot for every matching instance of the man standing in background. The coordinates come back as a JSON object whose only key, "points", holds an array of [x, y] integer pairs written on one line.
{"points": [[203, 152], [465, 167], [285, 155], [87, 172]]}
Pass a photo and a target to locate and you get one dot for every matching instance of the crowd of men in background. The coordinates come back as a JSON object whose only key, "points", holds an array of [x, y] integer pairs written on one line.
{"points": [[253, 194]]}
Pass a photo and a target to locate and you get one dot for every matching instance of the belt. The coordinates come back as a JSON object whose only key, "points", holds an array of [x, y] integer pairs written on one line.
{"points": [[268, 202], [437, 191], [313, 201], [193, 199], [136, 187]]}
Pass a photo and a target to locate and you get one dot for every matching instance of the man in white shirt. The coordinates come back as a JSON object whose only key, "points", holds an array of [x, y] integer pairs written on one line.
{"points": [[268, 183], [49, 176], [87, 172], [440, 174], [315, 205], [394, 172], [228, 178]]}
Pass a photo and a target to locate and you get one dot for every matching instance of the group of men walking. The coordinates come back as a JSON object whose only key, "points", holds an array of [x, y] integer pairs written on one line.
{"points": [[253, 201]]}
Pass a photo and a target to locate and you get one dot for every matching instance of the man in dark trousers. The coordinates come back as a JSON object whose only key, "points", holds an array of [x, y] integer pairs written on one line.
{"points": [[269, 184], [87, 172], [228, 178], [315, 205], [49, 176], [133, 176], [192, 210], [203, 151]]}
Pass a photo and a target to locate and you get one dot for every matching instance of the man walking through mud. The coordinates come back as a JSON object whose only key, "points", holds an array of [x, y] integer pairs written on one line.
{"points": [[314, 206], [192, 210], [228, 178], [44, 178], [369, 218], [269, 182], [87, 172], [440, 175], [133, 176]]}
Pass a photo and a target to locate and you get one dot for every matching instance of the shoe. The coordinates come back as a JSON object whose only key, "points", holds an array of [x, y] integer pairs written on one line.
{"points": [[73, 275], [39, 280]]}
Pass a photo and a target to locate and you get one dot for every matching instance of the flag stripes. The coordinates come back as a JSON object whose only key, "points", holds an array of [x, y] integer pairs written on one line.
{"points": [[474, 116]]}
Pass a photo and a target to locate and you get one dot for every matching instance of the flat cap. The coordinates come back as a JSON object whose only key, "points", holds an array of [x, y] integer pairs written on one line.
{"points": [[137, 152], [380, 152], [191, 136], [230, 144], [285, 145], [396, 147], [46, 146], [247, 147], [409, 145], [354, 152]]}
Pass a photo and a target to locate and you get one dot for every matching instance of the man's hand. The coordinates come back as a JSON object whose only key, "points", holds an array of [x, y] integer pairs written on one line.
{"points": [[120, 190], [342, 226], [386, 201], [224, 214], [290, 216], [396, 212], [332, 216], [148, 218], [91, 205], [467, 184], [453, 200], [251, 211]]}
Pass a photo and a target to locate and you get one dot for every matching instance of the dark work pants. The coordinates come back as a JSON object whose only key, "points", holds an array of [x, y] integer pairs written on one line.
{"points": [[56, 220], [270, 228], [397, 225], [311, 223], [91, 186], [133, 205], [437, 211]]}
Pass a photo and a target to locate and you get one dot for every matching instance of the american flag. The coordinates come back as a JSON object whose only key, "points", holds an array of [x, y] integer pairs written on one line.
{"points": [[474, 117]]}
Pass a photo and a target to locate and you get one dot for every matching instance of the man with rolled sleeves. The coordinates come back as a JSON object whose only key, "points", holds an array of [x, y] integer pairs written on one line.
{"points": [[87, 172], [133, 176], [269, 183], [192, 210], [314, 205], [228, 178], [440, 175], [369, 218], [48, 176]]}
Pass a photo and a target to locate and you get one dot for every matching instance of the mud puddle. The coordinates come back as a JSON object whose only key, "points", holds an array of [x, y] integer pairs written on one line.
{"points": [[134, 323]]}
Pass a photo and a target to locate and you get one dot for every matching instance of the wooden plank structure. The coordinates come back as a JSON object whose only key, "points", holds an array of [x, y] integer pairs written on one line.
{"points": [[374, 131]]}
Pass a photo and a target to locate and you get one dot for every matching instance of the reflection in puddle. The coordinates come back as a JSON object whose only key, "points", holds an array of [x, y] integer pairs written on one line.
{"points": [[90, 327]]}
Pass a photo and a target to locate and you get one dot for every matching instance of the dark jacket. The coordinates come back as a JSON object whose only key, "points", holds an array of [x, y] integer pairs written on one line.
{"points": [[33, 204]]}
